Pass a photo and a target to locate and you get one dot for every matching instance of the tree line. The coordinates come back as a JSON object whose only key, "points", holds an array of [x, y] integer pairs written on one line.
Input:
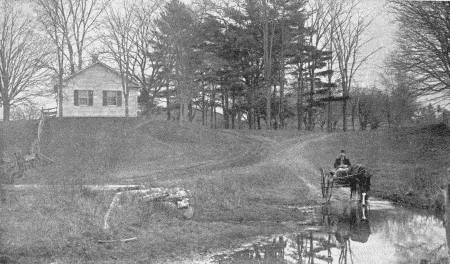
{"points": [[256, 64]]}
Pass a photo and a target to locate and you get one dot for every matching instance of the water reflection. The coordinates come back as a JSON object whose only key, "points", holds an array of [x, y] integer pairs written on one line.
{"points": [[351, 233], [338, 232]]}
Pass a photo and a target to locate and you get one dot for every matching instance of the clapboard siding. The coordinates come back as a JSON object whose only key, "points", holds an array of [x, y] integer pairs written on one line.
{"points": [[97, 78]]}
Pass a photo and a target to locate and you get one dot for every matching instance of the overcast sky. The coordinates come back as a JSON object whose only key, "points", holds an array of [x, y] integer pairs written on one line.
{"points": [[382, 30]]}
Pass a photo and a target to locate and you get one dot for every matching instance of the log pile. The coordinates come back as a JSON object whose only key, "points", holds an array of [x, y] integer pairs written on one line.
{"points": [[176, 198]]}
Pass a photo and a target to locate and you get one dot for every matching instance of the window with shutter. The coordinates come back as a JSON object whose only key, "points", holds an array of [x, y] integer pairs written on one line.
{"points": [[111, 98], [75, 97], [83, 97]]}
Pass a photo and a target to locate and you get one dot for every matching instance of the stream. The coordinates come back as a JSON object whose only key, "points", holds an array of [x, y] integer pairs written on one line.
{"points": [[348, 232]]}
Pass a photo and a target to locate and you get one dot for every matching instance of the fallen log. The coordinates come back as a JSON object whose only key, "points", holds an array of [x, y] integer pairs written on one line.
{"points": [[117, 240], [18, 187], [175, 198]]}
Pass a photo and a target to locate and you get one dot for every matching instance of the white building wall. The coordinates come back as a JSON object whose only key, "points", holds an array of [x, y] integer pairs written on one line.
{"points": [[97, 78]]}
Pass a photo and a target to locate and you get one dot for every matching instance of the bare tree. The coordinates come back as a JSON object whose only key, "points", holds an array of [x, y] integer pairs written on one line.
{"points": [[23, 56], [74, 22], [348, 41], [69, 24], [401, 103], [424, 44], [120, 39], [147, 65], [322, 23]]}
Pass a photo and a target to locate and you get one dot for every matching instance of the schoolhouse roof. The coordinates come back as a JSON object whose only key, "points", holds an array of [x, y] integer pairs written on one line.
{"points": [[103, 65]]}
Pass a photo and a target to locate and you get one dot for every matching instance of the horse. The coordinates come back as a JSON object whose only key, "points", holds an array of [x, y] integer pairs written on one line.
{"points": [[360, 182]]}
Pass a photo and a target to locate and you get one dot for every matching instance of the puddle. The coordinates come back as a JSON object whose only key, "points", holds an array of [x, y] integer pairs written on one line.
{"points": [[350, 233]]}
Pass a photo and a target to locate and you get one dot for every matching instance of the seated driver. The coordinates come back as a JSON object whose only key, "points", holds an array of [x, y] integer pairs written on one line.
{"points": [[342, 164]]}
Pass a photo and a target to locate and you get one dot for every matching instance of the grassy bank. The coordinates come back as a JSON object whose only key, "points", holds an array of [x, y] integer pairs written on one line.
{"points": [[409, 165], [235, 195]]}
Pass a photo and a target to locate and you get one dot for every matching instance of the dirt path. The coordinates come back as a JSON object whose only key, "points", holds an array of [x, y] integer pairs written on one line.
{"points": [[289, 153], [292, 154]]}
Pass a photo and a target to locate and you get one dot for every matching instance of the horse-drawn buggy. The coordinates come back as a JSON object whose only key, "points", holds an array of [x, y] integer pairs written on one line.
{"points": [[357, 178]]}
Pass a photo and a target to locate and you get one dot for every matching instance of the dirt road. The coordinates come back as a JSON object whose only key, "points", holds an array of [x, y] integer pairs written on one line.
{"points": [[289, 154]]}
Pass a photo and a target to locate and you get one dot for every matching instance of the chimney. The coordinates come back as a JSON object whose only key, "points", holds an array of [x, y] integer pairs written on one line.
{"points": [[94, 58]]}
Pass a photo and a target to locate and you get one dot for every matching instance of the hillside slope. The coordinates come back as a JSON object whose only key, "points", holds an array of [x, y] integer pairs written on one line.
{"points": [[107, 150]]}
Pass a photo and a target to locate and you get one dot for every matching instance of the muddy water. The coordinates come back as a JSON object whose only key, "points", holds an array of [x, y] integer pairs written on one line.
{"points": [[351, 233]]}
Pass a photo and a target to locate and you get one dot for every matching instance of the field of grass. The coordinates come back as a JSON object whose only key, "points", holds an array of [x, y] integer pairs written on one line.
{"points": [[242, 184], [235, 195]]}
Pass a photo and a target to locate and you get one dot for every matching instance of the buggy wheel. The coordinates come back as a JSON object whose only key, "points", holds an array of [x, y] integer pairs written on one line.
{"points": [[329, 189]]}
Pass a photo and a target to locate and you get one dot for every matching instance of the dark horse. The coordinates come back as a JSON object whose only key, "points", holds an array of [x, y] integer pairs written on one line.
{"points": [[358, 178], [360, 183]]}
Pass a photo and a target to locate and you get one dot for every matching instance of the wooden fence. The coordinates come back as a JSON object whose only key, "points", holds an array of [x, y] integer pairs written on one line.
{"points": [[49, 112]]}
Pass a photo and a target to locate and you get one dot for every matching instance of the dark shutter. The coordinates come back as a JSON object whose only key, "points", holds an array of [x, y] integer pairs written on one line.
{"points": [[75, 97], [119, 98], [105, 100], [91, 98]]}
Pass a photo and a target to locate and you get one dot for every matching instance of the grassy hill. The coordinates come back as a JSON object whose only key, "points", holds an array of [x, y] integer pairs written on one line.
{"points": [[243, 183], [110, 150], [64, 221]]}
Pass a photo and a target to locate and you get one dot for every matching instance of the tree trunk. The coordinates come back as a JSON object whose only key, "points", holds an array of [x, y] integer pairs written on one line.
{"points": [[71, 57], [212, 103], [282, 77], [203, 106], [277, 115], [80, 59], [329, 114], [300, 99], [353, 115], [215, 117], [344, 107], [258, 121], [311, 98], [190, 111], [183, 108], [60, 83], [251, 111], [226, 110], [239, 117], [6, 109], [168, 100], [266, 68], [233, 110], [127, 108]]}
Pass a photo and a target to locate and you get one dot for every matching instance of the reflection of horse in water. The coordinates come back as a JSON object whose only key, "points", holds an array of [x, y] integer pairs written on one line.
{"points": [[340, 229], [336, 229]]}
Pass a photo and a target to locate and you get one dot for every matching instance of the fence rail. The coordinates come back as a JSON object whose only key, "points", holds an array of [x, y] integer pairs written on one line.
{"points": [[49, 112]]}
